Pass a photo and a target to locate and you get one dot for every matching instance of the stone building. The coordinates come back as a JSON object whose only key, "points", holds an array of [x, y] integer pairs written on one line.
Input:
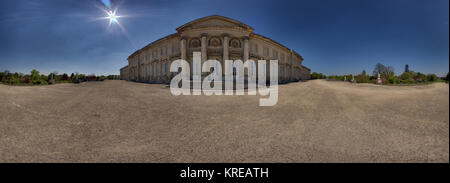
{"points": [[217, 38]]}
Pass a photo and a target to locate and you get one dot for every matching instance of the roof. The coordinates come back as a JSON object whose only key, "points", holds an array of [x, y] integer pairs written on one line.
{"points": [[226, 19], [279, 44], [240, 24]]}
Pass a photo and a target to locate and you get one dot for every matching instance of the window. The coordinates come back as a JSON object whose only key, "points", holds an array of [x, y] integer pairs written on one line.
{"points": [[254, 48], [164, 69], [154, 70], [163, 51], [148, 71], [282, 56], [275, 55], [176, 48], [155, 54], [266, 51]]}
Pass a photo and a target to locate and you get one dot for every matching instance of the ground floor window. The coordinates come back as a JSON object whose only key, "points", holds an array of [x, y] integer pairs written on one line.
{"points": [[164, 69]]}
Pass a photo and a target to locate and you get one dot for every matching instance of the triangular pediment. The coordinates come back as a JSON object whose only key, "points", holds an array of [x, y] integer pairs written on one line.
{"points": [[215, 21]]}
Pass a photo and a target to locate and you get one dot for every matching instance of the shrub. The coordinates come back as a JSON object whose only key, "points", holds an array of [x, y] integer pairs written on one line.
{"points": [[316, 75], [27, 79], [64, 77], [432, 77], [406, 76]]}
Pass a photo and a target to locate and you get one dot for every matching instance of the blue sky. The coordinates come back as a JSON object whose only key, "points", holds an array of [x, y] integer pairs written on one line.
{"points": [[333, 36]]}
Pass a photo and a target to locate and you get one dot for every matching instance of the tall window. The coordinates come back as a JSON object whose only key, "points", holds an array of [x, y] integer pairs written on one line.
{"points": [[164, 69], [163, 51], [148, 71], [282, 56], [254, 48], [154, 70], [275, 55], [266, 51], [176, 48]]}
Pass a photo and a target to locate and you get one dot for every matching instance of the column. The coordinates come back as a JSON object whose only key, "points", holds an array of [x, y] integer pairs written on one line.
{"points": [[138, 70], [204, 56], [246, 50], [225, 48], [183, 48], [204, 46]]}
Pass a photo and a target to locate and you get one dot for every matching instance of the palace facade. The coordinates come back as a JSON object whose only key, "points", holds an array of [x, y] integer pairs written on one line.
{"points": [[217, 38]]}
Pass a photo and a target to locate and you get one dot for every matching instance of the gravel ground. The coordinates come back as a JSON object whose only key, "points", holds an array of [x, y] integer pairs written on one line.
{"points": [[314, 121]]}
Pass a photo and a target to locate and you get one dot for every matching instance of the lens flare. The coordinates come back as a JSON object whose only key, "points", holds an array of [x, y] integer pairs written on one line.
{"points": [[112, 17]]}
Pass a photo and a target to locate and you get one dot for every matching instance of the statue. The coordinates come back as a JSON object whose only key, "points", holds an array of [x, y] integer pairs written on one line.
{"points": [[379, 79], [51, 80], [353, 79]]}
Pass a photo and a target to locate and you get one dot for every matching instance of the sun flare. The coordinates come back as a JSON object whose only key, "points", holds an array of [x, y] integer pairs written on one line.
{"points": [[112, 16]]}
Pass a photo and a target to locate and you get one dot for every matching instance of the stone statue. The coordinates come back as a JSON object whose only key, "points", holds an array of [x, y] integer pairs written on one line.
{"points": [[379, 79], [51, 80], [345, 78], [353, 79]]}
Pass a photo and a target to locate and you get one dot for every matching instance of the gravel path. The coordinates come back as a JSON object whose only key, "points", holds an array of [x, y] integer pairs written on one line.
{"points": [[314, 121]]}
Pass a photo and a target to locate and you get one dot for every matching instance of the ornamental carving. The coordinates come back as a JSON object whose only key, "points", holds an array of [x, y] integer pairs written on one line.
{"points": [[195, 43], [215, 42], [235, 43]]}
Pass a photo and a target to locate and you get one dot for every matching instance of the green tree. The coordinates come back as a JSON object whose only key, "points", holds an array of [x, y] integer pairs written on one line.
{"points": [[432, 77], [421, 77], [407, 77], [35, 77]]}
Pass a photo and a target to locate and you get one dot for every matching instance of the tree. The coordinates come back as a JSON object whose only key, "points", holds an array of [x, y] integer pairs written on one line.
{"points": [[362, 78], [432, 77], [384, 71], [35, 77], [448, 77], [407, 77], [316, 75], [64, 77], [421, 77]]}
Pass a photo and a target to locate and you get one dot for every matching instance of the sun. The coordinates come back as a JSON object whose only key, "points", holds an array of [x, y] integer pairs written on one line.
{"points": [[112, 16]]}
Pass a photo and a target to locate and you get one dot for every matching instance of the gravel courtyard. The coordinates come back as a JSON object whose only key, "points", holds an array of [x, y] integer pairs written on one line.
{"points": [[314, 121]]}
